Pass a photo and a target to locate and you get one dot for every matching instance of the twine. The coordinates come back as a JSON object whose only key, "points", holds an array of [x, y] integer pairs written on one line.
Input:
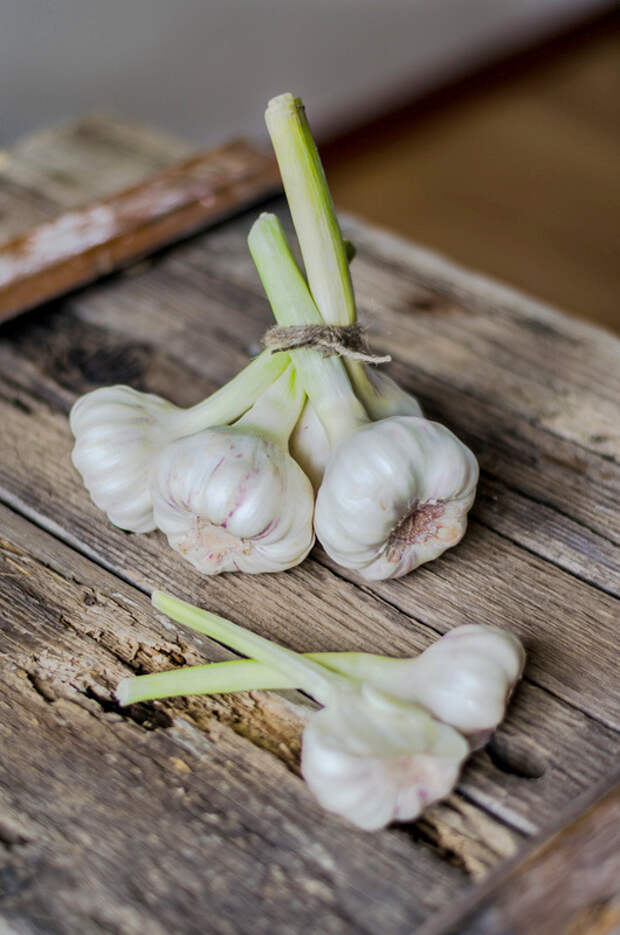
{"points": [[344, 340]]}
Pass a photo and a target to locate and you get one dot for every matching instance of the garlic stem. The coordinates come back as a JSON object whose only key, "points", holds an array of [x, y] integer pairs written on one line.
{"points": [[211, 679], [276, 411], [234, 398], [311, 208], [306, 674], [325, 379], [326, 256], [241, 675]]}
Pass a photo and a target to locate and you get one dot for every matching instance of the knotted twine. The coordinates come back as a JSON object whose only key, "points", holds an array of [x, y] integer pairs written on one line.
{"points": [[344, 340]]}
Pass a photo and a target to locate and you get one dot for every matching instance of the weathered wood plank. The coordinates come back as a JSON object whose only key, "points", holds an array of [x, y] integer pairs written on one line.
{"points": [[89, 242], [568, 881], [69, 631], [93, 157]]}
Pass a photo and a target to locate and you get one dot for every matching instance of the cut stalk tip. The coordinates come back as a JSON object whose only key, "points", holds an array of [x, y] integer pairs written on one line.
{"points": [[123, 692]]}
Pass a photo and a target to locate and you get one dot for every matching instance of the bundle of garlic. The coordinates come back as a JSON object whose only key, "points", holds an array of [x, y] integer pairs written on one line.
{"points": [[392, 488], [392, 734]]}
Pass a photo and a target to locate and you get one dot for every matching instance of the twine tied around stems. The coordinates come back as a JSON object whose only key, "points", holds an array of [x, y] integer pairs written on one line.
{"points": [[347, 341]]}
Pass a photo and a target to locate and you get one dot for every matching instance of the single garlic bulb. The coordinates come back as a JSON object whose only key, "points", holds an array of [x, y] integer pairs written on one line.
{"points": [[467, 677], [464, 679], [395, 494], [231, 498], [374, 760], [119, 431], [381, 397]]}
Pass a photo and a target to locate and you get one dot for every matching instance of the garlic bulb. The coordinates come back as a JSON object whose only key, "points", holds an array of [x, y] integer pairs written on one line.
{"points": [[381, 397], [396, 492], [231, 498], [373, 760], [467, 677], [119, 431], [464, 679]]}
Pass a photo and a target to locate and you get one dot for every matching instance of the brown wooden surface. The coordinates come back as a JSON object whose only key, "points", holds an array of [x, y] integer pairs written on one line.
{"points": [[182, 816], [569, 882], [84, 244]]}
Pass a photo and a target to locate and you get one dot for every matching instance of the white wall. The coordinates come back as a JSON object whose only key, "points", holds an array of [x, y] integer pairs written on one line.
{"points": [[205, 68]]}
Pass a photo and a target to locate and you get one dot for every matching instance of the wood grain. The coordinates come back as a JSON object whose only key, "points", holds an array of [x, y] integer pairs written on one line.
{"points": [[568, 882], [88, 242], [540, 559], [183, 778]]}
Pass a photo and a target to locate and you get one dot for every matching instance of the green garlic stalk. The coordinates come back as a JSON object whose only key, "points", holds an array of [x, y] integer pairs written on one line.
{"points": [[325, 254], [119, 431], [367, 755], [464, 679], [231, 498], [396, 492]]}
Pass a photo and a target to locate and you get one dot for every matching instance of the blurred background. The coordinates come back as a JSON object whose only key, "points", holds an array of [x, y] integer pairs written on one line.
{"points": [[485, 129]]}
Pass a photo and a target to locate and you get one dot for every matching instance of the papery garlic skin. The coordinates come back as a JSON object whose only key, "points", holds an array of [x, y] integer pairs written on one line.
{"points": [[381, 397], [467, 677], [464, 679], [228, 499], [372, 760], [118, 432], [309, 445], [395, 495]]}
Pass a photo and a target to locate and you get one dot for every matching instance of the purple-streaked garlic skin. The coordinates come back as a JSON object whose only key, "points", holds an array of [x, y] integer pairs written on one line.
{"points": [[118, 432], [372, 760], [395, 494], [228, 499]]}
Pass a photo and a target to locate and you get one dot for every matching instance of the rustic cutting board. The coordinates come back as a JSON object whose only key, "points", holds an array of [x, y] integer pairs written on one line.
{"points": [[190, 816]]}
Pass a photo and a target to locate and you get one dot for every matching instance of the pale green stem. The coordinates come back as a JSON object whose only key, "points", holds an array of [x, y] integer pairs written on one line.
{"points": [[325, 379], [233, 399], [214, 678], [276, 411], [306, 674], [250, 675], [312, 209], [383, 397], [326, 256]]}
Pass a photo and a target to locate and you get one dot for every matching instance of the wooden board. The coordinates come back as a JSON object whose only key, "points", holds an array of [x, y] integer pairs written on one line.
{"points": [[182, 816]]}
